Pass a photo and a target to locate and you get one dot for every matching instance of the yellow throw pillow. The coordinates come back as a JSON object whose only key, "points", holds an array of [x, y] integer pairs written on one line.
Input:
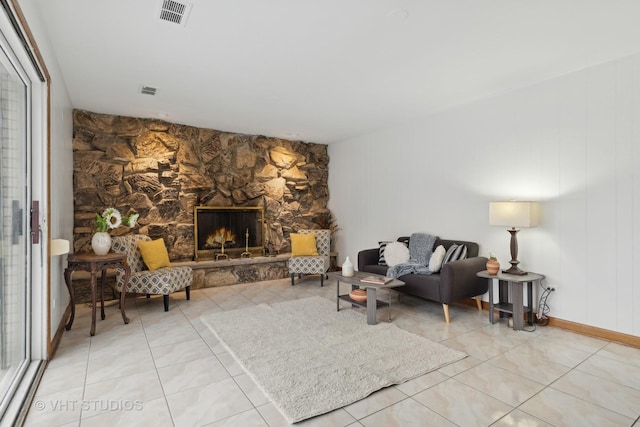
{"points": [[154, 254], [303, 245]]}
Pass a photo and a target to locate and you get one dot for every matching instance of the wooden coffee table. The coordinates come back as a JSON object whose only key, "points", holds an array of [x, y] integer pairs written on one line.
{"points": [[372, 302]]}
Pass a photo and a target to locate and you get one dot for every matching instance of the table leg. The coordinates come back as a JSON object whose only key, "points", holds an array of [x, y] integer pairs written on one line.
{"points": [[338, 295], [127, 273], [530, 301], [67, 280], [491, 314], [372, 303], [102, 283], [503, 295], [92, 332], [518, 309]]}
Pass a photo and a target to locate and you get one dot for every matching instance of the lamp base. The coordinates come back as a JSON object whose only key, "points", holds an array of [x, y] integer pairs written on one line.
{"points": [[514, 255], [514, 270]]}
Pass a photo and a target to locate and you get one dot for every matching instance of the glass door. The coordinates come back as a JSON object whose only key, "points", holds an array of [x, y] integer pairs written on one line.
{"points": [[15, 284]]}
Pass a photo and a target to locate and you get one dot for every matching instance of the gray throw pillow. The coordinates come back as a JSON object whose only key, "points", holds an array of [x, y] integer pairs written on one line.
{"points": [[455, 253], [382, 247]]}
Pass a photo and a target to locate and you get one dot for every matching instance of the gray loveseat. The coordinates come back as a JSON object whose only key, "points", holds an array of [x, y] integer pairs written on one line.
{"points": [[456, 280]]}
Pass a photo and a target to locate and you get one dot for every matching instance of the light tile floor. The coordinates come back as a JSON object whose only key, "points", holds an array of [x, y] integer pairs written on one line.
{"points": [[168, 369]]}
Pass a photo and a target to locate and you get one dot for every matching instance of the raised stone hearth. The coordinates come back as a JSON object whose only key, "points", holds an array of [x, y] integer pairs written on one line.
{"points": [[207, 274]]}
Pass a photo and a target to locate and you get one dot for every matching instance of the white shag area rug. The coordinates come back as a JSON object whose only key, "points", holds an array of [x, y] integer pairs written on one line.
{"points": [[310, 359]]}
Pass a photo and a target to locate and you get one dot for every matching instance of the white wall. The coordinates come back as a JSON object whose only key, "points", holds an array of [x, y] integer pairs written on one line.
{"points": [[572, 143], [60, 222]]}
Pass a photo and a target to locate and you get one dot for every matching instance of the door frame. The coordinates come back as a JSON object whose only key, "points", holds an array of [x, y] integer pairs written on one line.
{"points": [[16, 31]]}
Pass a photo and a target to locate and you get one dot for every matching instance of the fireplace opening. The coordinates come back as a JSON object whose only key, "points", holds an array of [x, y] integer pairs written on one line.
{"points": [[228, 232]]}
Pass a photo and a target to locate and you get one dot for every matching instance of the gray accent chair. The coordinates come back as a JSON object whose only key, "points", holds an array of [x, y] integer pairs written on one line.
{"points": [[162, 281], [312, 264]]}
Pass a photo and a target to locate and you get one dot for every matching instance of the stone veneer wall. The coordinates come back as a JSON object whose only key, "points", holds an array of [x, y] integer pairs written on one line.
{"points": [[162, 170]]}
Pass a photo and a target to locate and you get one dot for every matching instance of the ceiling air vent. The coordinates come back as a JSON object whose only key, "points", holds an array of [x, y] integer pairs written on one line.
{"points": [[148, 90], [173, 11]]}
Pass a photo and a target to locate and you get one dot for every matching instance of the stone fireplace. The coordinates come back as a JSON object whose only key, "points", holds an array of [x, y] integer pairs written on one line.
{"points": [[228, 232], [163, 171]]}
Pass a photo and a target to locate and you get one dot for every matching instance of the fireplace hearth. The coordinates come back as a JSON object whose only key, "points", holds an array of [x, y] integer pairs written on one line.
{"points": [[228, 232]]}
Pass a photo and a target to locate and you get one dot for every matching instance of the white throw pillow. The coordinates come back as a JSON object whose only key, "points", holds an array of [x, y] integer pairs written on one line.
{"points": [[435, 263], [396, 253]]}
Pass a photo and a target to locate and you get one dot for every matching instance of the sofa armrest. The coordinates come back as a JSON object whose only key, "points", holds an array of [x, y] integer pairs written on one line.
{"points": [[367, 257], [458, 279]]}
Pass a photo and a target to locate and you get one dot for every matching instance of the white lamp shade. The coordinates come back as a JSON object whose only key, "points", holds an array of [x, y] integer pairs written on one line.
{"points": [[59, 247], [514, 214]]}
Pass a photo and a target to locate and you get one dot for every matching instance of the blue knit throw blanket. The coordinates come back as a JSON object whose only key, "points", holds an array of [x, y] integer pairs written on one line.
{"points": [[420, 250]]}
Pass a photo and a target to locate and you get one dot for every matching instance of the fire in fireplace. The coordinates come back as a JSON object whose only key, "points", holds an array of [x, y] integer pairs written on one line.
{"points": [[219, 238], [228, 231]]}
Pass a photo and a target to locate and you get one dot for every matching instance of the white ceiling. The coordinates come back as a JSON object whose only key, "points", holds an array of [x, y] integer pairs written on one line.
{"points": [[323, 70]]}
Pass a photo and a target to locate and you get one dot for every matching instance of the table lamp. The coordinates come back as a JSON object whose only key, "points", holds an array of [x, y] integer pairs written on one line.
{"points": [[59, 247], [514, 214]]}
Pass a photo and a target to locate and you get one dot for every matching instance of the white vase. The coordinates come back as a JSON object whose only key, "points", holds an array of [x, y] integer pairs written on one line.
{"points": [[101, 243], [347, 268]]}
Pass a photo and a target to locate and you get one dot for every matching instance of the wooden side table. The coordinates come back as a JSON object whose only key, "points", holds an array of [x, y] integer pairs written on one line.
{"points": [[512, 284], [94, 264]]}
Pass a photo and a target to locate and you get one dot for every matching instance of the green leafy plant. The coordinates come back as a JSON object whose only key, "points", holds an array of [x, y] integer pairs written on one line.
{"points": [[328, 222], [111, 218]]}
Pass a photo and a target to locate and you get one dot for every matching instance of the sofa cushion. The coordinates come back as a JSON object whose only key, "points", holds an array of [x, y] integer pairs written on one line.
{"points": [[435, 262], [455, 253], [376, 269], [421, 285], [381, 247], [396, 253]]}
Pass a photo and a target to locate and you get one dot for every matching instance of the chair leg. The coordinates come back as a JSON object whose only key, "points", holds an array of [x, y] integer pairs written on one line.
{"points": [[165, 298], [321, 280], [445, 307], [478, 299], [148, 296], [292, 276], [188, 292]]}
